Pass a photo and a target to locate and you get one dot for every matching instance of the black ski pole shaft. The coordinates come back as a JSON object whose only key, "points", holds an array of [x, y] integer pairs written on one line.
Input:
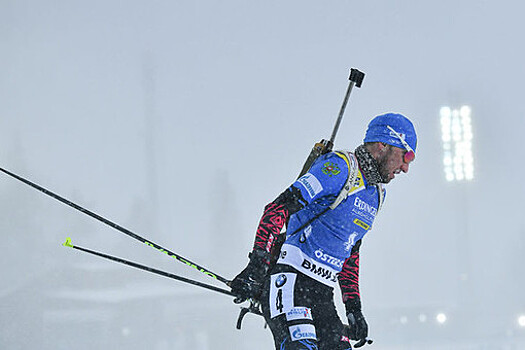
{"points": [[147, 268], [118, 227], [356, 79]]}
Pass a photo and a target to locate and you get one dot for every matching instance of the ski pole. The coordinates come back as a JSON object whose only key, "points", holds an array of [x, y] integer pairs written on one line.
{"points": [[325, 146], [68, 243], [253, 308], [118, 227]]}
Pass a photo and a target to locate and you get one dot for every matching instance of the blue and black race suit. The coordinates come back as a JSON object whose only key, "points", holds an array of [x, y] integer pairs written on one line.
{"points": [[321, 248]]}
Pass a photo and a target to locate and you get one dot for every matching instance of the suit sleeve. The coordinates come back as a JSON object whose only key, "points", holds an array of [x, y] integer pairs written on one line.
{"points": [[275, 215], [349, 280]]}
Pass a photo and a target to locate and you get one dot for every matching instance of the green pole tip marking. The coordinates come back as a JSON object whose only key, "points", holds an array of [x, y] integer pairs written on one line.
{"points": [[67, 243]]}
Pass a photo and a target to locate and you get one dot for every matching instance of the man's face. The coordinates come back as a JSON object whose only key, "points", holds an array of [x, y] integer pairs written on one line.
{"points": [[391, 163]]}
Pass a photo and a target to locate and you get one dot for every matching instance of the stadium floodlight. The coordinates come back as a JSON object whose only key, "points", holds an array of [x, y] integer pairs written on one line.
{"points": [[521, 321], [441, 318], [456, 135], [403, 320]]}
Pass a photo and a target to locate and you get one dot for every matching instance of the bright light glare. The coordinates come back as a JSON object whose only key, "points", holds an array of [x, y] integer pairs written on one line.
{"points": [[456, 134], [464, 111], [441, 318], [521, 321], [445, 111], [125, 331]]}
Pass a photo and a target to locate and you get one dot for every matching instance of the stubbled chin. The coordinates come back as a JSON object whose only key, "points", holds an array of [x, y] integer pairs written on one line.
{"points": [[390, 177]]}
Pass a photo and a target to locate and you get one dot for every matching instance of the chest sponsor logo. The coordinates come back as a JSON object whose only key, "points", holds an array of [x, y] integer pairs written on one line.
{"points": [[364, 206], [351, 241], [319, 254], [319, 271], [302, 331], [311, 184], [361, 224], [299, 313], [307, 231]]}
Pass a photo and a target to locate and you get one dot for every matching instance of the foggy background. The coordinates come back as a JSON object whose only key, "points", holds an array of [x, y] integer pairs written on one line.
{"points": [[181, 120]]}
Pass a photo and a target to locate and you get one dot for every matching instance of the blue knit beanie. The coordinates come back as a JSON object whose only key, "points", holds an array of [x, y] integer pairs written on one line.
{"points": [[378, 131]]}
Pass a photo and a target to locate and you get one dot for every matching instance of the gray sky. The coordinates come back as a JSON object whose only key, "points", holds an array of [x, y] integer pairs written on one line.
{"points": [[181, 120]]}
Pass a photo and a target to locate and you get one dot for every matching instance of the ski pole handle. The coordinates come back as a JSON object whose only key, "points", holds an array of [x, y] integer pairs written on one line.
{"points": [[356, 78]]}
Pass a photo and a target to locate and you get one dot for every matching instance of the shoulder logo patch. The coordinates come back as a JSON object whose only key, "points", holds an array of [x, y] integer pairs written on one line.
{"points": [[311, 184], [331, 169]]}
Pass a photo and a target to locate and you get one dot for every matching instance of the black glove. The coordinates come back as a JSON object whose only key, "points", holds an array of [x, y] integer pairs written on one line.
{"points": [[358, 326], [248, 284]]}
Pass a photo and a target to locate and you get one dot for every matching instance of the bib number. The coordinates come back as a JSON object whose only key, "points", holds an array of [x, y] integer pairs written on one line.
{"points": [[281, 293]]}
